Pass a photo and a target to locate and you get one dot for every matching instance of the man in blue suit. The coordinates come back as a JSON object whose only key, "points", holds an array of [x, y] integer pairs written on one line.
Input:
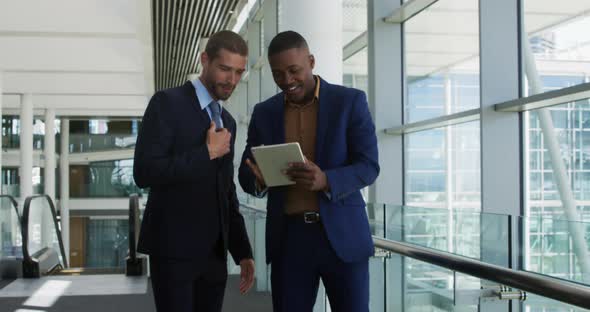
{"points": [[318, 227], [184, 154]]}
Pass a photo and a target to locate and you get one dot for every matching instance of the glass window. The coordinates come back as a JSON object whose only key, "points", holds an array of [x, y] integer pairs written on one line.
{"points": [[103, 179], [443, 167], [11, 132], [355, 71], [441, 54], [442, 176], [108, 243], [354, 19], [558, 39], [550, 246]]}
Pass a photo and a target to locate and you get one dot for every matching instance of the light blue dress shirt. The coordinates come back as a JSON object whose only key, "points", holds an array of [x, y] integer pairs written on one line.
{"points": [[205, 98]]}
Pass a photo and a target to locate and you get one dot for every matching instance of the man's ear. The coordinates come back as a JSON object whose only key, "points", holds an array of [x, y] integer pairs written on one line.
{"points": [[204, 60], [311, 61]]}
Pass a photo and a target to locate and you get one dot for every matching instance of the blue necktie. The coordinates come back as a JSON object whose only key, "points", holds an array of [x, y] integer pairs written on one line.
{"points": [[215, 114]]}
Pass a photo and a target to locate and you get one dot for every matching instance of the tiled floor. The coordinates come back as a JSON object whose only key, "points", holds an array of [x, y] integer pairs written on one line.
{"points": [[105, 293]]}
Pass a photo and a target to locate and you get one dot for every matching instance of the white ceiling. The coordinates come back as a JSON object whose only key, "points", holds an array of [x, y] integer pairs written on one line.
{"points": [[95, 57], [354, 19], [445, 37], [78, 56]]}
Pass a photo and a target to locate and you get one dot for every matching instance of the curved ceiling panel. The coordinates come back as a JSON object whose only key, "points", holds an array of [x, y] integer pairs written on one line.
{"points": [[178, 28]]}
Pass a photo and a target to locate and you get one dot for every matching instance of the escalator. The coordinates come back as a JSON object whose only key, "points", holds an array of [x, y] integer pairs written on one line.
{"points": [[43, 248], [44, 282]]}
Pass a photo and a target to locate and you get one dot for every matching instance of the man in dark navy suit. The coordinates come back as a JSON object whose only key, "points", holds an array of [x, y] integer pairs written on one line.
{"points": [[184, 154], [317, 228]]}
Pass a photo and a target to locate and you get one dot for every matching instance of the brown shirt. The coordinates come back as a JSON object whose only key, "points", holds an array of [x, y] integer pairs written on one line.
{"points": [[300, 126]]}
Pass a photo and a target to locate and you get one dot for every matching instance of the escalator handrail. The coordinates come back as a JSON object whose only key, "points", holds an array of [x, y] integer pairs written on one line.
{"points": [[25, 226], [133, 225], [561, 290]]}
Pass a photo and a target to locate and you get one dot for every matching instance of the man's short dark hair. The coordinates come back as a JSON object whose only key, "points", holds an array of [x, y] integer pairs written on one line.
{"points": [[227, 40], [285, 41]]}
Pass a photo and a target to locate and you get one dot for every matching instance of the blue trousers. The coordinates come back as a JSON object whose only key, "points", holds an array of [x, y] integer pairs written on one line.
{"points": [[308, 256]]}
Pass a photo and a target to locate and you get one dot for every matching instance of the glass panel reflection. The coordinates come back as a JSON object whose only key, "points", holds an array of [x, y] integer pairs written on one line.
{"points": [[108, 242], [42, 232], [356, 72], [443, 167], [11, 240], [441, 53], [103, 179], [558, 40], [354, 19], [557, 230]]}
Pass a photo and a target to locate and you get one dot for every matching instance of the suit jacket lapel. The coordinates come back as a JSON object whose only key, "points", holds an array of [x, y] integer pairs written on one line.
{"points": [[278, 120], [226, 124], [194, 100], [225, 120], [323, 119], [277, 126]]}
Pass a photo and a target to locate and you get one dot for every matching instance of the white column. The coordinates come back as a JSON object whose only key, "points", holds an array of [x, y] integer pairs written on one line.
{"points": [[1, 90], [26, 147], [386, 95], [253, 37], [64, 187], [50, 153], [320, 23], [2, 239], [268, 87], [500, 140]]}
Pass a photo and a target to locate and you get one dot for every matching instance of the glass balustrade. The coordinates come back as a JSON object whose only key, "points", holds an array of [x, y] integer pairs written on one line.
{"points": [[399, 283], [85, 143], [98, 180], [11, 240], [41, 227]]}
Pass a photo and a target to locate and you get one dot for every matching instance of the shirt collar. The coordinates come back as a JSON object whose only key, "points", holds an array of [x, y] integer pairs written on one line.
{"points": [[316, 94], [203, 94]]}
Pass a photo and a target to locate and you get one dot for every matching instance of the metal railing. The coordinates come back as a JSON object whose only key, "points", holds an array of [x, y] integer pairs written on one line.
{"points": [[554, 288], [561, 290]]}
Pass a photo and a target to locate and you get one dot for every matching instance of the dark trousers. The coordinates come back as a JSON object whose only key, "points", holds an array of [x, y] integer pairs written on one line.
{"points": [[308, 256], [188, 286]]}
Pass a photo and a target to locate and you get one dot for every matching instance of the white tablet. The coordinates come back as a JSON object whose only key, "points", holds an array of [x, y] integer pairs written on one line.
{"points": [[272, 159]]}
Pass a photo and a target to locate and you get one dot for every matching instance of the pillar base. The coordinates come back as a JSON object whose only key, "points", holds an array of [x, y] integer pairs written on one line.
{"points": [[136, 267]]}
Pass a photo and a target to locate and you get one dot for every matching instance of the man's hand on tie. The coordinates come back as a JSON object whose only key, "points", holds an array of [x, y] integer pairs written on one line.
{"points": [[246, 275], [218, 142], [309, 175]]}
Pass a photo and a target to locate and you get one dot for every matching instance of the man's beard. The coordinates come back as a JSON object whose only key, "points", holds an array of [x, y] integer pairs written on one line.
{"points": [[221, 94]]}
